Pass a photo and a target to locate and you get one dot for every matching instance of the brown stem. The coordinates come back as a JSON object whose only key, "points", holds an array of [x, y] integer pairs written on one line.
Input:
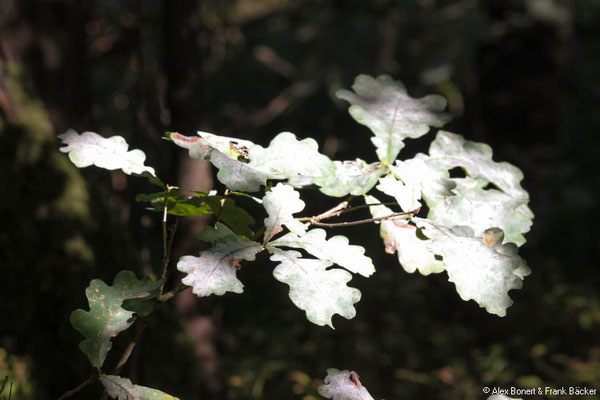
{"points": [[393, 216], [81, 386], [127, 353], [332, 212], [222, 203], [170, 294], [335, 211], [165, 262], [342, 208], [351, 209], [167, 241], [129, 349]]}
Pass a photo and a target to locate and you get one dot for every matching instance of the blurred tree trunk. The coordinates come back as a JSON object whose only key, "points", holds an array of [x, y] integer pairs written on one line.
{"points": [[184, 70]]}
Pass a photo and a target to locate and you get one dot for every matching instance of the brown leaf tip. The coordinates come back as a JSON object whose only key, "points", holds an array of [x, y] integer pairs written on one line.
{"points": [[353, 376]]}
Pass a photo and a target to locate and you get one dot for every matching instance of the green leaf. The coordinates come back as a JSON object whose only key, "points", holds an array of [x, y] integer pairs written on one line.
{"points": [[214, 272], [233, 216], [217, 234], [343, 385], [288, 157], [111, 153], [401, 237], [198, 204], [319, 291], [281, 202], [482, 209], [350, 177], [177, 203], [107, 316], [482, 268], [336, 250], [122, 389], [383, 105]]}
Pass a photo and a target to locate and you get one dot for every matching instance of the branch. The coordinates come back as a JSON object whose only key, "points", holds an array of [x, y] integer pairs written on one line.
{"points": [[81, 386], [129, 349], [167, 239], [393, 216], [342, 208], [389, 203], [170, 294], [222, 203], [332, 212]]}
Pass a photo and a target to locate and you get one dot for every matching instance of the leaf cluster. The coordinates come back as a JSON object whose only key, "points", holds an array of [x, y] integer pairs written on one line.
{"points": [[472, 230]]}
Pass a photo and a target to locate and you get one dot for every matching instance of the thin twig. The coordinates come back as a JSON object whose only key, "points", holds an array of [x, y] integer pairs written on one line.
{"points": [[222, 203], [258, 233], [393, 216], [81, 386], [164, 221], [170, 294], [355, 208], [339, 210], [332, 212], [167, 240], [129, 349], [126, 354]]}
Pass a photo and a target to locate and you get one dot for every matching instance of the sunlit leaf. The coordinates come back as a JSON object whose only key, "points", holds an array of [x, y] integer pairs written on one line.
{"points": [[383, 105], [419, 178], [349, 177], [401, 237], [489, 196], [111, 153], [198, 148], [449, 150], [288, 157], [214, 271], [122, 389], [245, 166], [232, 147], [107, 316], [237, 175], [480, 209], [319, 291], [481, 268], [343, 385], [336, 250], [281, 202]]}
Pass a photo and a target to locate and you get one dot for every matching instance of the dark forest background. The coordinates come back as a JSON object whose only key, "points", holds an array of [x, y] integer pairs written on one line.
{"points": [[523, 76]]}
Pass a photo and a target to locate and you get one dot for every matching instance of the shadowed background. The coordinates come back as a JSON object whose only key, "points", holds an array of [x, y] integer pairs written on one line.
{"points": [[520, 75]]}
